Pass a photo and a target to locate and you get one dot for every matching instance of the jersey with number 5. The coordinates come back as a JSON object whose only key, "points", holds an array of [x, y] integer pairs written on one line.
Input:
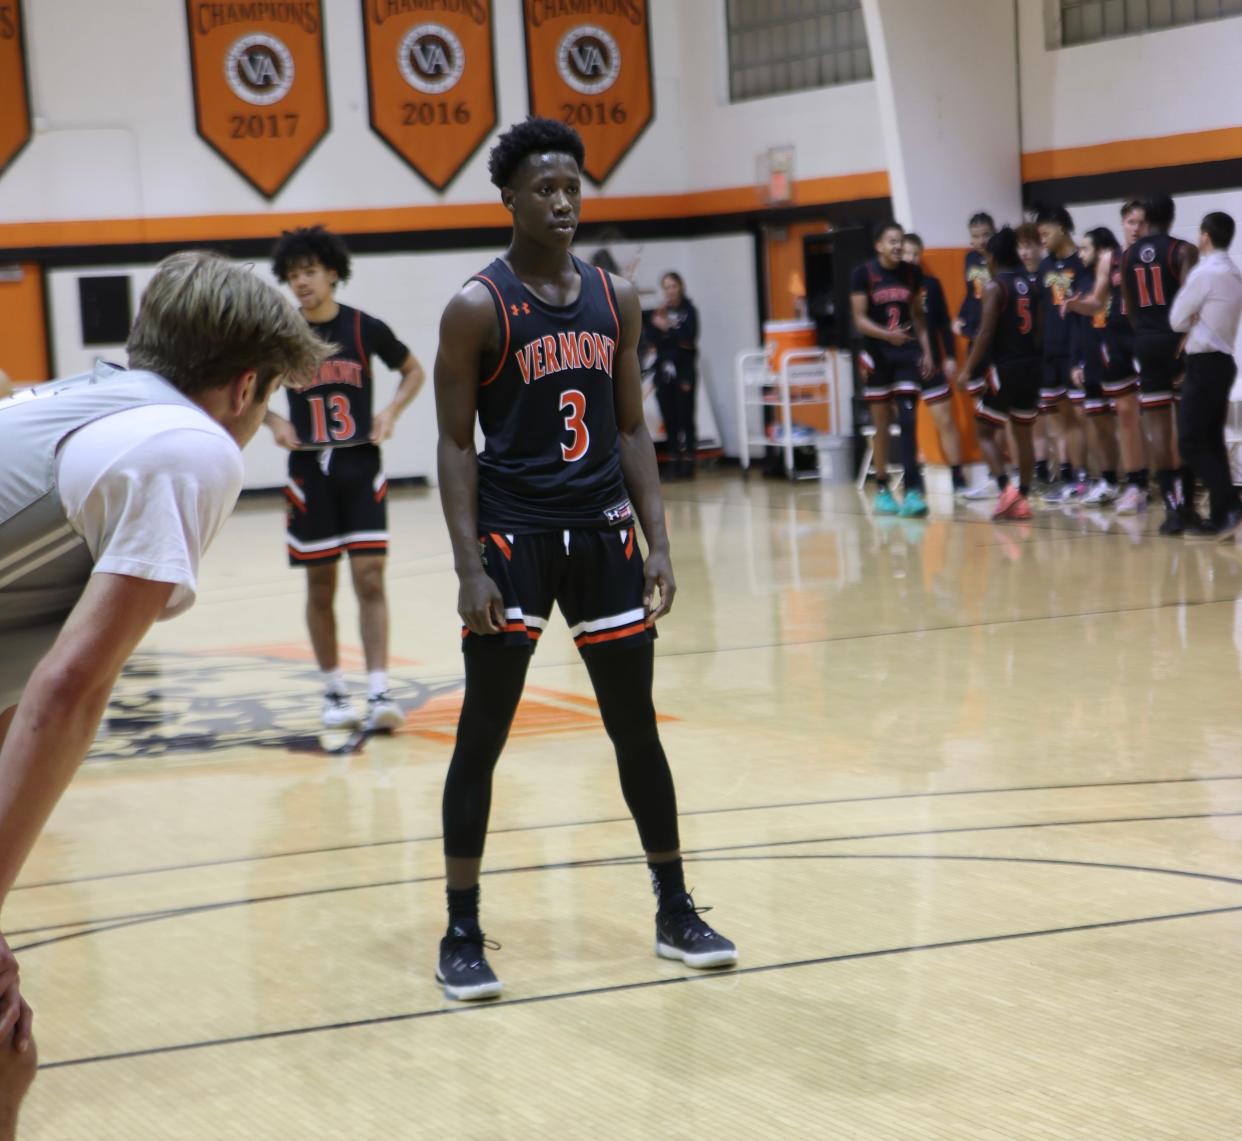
{"points": [[1016, 337], [551, 458], [334, 410]]}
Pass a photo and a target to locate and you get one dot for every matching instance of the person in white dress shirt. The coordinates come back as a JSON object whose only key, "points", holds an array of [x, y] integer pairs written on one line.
{"points": [[1207, 309]]}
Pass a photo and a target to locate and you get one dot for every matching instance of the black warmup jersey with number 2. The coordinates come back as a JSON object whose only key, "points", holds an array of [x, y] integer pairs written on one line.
{"points": [[889, 294], [551, 458]]}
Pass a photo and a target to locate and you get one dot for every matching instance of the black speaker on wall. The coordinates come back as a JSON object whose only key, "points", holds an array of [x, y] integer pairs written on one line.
{"points": [[104, 303], [828, 260]]}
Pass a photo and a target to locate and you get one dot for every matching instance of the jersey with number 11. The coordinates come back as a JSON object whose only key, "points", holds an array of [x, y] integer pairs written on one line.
{"points": [[551, 458]]}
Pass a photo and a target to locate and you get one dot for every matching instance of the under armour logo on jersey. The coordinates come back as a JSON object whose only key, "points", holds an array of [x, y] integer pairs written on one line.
{"points": [[522, 310]]}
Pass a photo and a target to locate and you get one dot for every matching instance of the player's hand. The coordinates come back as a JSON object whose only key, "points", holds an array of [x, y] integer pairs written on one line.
{"points": [[15, 1014], [950, 369], [927, 366], [959, 328], [284, 434], [658, 575], [480, 604], [900, 336], [383, 426], [1079, 376]]}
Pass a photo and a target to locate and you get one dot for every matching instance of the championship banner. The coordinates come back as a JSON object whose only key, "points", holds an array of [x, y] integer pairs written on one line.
{"points": [[260, 88], [14, 98], [431, 83], [588, 64]]}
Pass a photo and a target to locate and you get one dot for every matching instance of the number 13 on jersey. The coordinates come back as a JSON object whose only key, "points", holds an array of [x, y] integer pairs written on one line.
{"points": [[573, 404]]}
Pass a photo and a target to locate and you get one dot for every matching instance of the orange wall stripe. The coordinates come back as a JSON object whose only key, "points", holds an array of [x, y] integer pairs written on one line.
{"points": [[1133, 154], [224, 227]]}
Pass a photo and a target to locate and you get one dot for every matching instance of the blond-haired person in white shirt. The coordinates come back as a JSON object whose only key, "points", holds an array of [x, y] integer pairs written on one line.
{"points": [[1208, 308]]}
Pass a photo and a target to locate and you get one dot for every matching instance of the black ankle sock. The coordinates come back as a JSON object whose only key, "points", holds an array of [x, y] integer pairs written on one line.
{"points": [[959, 480], [1109, 477], [881, 483], [1042, 471], [668, 880], [463, 905], [1067, 473], [1024, 489], [1136, 479], [1144, 477], [1002, 481], [1167, 479]]}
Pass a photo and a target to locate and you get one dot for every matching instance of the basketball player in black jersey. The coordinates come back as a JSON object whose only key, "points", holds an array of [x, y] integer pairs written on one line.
{"points": [[895, 360], [1087, 356], [1061, 274], [542, 349], [1008, 338], [1120, 380], [336, 488], [939, 397], [1153, 269]]}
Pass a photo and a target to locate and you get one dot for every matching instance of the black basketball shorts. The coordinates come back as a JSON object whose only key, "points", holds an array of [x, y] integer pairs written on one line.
{"points": [[595, 577], [895, 372], [1011, 392], [1056, 383], [337, 502], [1160, 365], [1120, 370]]}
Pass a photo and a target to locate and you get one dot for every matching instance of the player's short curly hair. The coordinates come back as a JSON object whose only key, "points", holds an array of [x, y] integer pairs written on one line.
{"points": [[307, 244], [533, 136]]}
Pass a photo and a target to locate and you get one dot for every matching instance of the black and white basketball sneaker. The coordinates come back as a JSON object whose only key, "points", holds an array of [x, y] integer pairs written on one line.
{"points": [[463, 967], [681, 934]]}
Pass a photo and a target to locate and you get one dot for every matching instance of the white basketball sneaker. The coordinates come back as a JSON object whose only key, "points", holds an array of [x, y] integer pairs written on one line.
{"points": [[383, 714], [338, 711]]}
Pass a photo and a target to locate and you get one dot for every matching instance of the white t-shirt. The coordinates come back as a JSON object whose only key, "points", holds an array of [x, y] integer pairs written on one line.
{"points": [[148, 489]]}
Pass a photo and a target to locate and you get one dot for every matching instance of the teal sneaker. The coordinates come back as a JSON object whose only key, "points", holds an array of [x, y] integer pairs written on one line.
{"points": [[885, 504], [914, 506]]}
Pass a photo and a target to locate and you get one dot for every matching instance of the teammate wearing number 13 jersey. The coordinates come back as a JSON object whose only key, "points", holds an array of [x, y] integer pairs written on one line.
{"points": [[542, 349], [336, 487]]}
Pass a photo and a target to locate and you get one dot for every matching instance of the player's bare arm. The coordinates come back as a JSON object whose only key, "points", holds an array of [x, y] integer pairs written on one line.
{"points": [[1128, 294], [413, 376], [1089, 304], [468, 340], [988, 320], [638, 461], [282, 431]]}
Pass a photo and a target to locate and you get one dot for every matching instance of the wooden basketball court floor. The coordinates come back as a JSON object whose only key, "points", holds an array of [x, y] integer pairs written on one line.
{"points": [[968, 797]]}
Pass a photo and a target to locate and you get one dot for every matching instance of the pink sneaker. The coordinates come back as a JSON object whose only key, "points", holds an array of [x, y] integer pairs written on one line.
{"points": [[1008, 500], [1021, 508]]}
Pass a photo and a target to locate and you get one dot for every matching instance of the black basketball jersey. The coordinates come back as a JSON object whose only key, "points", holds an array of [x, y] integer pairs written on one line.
{"points": [[1017, 334], [977, 277], [1059, 279], [1118, 320], [551, 458], [939, 327], [890, 293], [1153, 270], [335, 409]]}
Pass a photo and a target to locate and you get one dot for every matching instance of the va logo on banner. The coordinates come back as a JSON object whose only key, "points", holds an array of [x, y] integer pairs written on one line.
{"points": [[260, 85], [431, 82], [592, 70], [14, 95]]}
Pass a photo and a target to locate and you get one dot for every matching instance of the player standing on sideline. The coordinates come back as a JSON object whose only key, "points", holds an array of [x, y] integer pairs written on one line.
{"points": [[896, 360], [1208, 308], [1087, 355], [1061, 274], [1120, 381], [1008, 337], [1031, 253], [337, 489], [1153, 269], [542, 348], [966, 324], [944, 357], [112, 485]]}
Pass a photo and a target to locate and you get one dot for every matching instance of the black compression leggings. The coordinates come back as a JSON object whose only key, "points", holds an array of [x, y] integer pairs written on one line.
{"points": [[622, 678]]}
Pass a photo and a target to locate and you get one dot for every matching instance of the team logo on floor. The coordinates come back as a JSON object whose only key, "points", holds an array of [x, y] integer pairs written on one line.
{"points": [[588, 59], [431, 58], [259, 69]]}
